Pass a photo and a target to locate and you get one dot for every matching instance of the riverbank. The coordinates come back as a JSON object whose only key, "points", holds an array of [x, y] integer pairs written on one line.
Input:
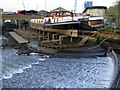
{"points": [[32, 46], [112, 37]]}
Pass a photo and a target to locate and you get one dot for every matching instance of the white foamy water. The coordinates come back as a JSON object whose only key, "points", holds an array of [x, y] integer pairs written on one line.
{"points": [[13, 63], [41, 59], [0, 40], [79, 73], [60, 72], [0, 60]]}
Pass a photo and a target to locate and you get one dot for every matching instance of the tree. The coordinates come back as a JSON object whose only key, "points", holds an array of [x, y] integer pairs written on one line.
{"points": [[113, 12], [119, 13]]}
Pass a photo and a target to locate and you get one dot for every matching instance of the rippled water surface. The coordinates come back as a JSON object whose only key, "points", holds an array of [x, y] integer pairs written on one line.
{"points": [[58, 72]]}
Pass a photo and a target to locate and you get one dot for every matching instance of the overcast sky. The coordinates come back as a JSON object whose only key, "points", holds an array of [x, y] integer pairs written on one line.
{"points": [[14, 5]]}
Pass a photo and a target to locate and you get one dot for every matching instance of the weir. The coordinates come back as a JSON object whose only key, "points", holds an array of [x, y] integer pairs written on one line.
{"points": [[110, 53]]}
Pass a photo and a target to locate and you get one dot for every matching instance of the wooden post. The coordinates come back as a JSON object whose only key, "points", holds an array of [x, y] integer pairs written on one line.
{"points": [[39, 32], [60, 38], [39, 37], [33, 30], [71, 39], [82, 33], [43, 33], [54, 36], [48, 36]]}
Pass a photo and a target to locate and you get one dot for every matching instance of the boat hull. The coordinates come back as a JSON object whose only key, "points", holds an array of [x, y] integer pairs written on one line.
{"points": [[71, 25], [96, 23], [41, 27], [66, 25]]}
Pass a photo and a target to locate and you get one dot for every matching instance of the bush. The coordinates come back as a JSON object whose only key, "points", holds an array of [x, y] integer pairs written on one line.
{"points": [[119, 27], [90, 41], [108, 27]]}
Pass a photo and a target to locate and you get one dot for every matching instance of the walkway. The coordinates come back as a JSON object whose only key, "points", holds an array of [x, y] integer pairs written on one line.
{"points": [[18, 38]]}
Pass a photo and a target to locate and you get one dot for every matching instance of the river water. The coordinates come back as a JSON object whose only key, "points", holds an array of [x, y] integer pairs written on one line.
{"points": [[94, 72]]}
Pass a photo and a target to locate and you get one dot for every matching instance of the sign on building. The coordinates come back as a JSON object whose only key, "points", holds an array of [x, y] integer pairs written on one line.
{"points": [[88, 4]]}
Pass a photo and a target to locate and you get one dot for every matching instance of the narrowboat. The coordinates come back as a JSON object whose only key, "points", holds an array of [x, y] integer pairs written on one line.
{"points": [[62, 19]]}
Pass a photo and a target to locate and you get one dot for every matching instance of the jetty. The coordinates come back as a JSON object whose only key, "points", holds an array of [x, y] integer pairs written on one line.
{"points": [[18, 38]]}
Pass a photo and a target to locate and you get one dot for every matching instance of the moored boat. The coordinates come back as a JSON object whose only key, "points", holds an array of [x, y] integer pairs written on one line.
{"points": [[97, 16], [62, 21], [96, 21]]}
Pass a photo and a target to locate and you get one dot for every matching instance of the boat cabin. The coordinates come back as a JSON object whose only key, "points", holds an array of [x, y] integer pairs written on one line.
{"points": [[95, 11], [60, 12]]}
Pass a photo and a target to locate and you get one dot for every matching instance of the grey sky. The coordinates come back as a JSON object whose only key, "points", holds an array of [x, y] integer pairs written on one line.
{"points": [[14, 5]]}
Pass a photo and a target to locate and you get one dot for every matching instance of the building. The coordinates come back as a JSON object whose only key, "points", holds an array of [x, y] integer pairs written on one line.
{"points": [[31, 12], [24, 12], [60, 12], [43, 13], [95, 11], [88, 4], [8, 13], [1, 10], [19, 12]]}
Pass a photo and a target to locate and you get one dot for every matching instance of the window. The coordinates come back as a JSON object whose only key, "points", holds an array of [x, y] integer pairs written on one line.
{"points": [[57, 13], [60, 13]]}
